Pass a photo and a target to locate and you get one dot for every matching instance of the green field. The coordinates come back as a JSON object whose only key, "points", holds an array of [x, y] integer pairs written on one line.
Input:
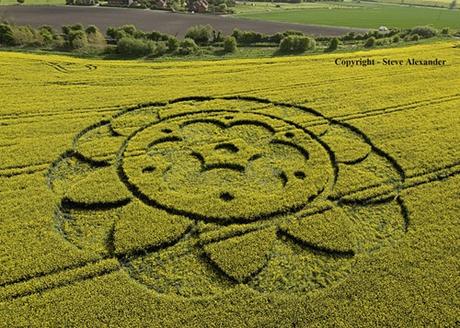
{"points": [[358, 15], [273, 192]]}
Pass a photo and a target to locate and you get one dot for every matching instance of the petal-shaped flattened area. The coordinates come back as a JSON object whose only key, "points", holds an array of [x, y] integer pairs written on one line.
{"points": [[100, 188], [330, 231], [242, 256], [141, 226], [367, 179], [129, 122], [347, 146], [318, 129], [99, 144], [88, 230]]}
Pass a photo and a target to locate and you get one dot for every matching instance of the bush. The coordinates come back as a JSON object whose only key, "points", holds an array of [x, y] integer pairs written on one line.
{"points": [[250, 37], [396, 39], [333, 45], [187, 47], [217, 36], [118, 33], [222, 8], [77, 39], [293, 32], [131, 47], [275, 38], [20, 1], [445, 31], [67, 29], [201, 34], [157, 36], [295, 43], [160, 49], [424, 32], [172, 44], [370, 42], [229, 44], [48, 34], [350, 36], [6, 35], [95, 37], [415, 37]]}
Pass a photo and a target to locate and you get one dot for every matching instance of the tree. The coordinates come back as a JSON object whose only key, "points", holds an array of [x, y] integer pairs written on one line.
{"points": [[333, 45], [229, 44], [296, 43], [201, 34], [20, 1], [370, 42]]}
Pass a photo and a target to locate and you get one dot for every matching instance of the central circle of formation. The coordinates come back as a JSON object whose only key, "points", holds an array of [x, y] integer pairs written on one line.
{"points": [[225, 166]]}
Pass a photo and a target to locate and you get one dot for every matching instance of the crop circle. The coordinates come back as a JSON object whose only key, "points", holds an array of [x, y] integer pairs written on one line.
{"points": [[245, 159]]}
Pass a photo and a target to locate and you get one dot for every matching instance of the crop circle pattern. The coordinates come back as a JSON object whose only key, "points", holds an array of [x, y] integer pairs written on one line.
{"points": [[199, 195], [258, 172]]}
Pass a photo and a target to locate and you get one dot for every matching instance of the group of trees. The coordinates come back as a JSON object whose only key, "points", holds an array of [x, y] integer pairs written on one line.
{"points": [[128, 41]]}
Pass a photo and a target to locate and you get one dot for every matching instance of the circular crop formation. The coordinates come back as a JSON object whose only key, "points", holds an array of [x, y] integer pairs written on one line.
{"points": [[233, 166], [200, 195]]}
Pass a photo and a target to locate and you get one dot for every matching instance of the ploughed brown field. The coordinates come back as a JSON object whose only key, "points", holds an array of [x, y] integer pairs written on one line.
{"points": [[166, 22]]}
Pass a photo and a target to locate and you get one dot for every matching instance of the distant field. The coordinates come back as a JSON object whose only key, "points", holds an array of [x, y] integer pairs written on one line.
{"points": [[433, 3], [148, 20], [365, 16]]}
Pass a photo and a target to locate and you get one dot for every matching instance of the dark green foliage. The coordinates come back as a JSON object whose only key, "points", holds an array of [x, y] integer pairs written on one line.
{"points": [[160, 49], [187, 47], [118, 33], [157, 36], [251, 37], [77, 40], [370, 42], [293, 32], [131, 47], [91, 29], [276, 38], [6, 35], [248, 37], [172, 44], [222, 8], [66, 29], [396, 39], [424, 32], [349, 36], [95, 37], [81, 2], [48, 34], [218, 36], [333, 45], [296, 44], [230, 44], [414, 37], [445, 31], [201, 34]]}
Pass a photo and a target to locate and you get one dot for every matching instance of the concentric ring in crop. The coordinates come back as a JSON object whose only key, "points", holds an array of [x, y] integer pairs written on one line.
{"points": [[210, 193]]}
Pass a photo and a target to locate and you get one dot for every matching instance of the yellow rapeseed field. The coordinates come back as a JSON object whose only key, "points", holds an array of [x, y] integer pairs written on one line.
{"points": [[275, 192]]}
